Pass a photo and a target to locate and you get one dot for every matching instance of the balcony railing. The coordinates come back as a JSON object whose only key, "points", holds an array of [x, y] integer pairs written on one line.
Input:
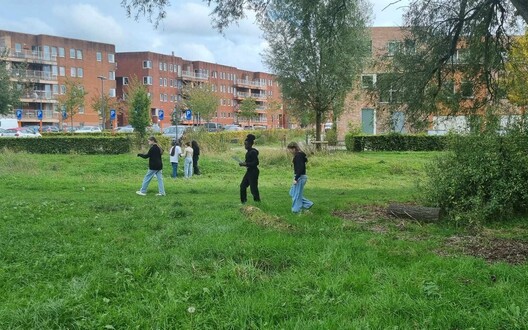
{"points": [[31, 55], [252, 83], [193, 75], [258, 95], [31, 114], [39, 96], [33, 74]]}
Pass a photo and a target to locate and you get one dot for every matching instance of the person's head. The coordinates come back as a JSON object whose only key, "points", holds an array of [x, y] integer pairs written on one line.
{"points": [[194, 144], [152, 140], [248, 142], [293, 147], [188, 143]]}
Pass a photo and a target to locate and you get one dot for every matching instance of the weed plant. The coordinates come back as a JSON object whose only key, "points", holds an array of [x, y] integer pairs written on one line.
{"points": [[80, 250]]}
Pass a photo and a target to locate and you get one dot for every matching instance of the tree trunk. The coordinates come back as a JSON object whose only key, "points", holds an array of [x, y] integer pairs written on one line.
{"points": [[318, 119], [414, 212]]}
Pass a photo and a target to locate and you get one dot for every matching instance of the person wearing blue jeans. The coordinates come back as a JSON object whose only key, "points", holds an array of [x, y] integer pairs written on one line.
{"points": [[188, 160], [175, 153], [155, 167], [299, 202]]}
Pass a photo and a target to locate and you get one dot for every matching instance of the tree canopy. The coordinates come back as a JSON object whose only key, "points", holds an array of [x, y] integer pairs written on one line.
{"points": [[9, 93], [73, 99], [317, 51], [138, 106], [201, 99]]}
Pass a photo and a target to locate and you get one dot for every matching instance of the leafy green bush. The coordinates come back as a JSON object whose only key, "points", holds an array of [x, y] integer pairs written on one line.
{"points": [[481, 177], [331, 137], [394, 142], [62, 144]]}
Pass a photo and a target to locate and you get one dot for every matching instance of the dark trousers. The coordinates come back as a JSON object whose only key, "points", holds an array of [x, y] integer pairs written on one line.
{"points": [[250, 180], [196, 170]]}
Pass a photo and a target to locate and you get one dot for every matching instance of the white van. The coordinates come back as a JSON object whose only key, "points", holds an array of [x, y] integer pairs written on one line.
{"points": [[6, 123]]}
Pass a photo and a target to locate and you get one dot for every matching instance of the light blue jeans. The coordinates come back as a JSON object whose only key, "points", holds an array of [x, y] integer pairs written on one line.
{"points": [[188, 167], [148, 177], [296, 193]]}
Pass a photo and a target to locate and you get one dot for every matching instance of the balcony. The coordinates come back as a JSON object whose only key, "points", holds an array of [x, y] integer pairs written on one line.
{"points": [[28, 55], [258, 95], [188, 75], [30, 115], [251, 83], [38, 97], [242, 95], [34, 75]]}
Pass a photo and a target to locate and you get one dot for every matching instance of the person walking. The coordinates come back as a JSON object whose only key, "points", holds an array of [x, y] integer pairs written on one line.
{"points": [[299, 202], [188, 160], [155, 167], [196, 156], [250, 179], [174, 156]]}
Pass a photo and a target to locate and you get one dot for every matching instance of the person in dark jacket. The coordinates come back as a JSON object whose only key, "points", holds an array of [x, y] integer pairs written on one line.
{"points": [[155, 167], [196, 156], [299, 202], [250, 179]]}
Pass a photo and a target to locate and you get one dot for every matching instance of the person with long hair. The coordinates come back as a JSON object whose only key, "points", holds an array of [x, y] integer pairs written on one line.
{"points": [[155, 167], [196, 156], [299, 202], [250, 179], [174, 156], [188, 160]]}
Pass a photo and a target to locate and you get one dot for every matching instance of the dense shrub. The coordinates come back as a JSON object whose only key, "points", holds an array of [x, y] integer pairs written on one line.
{"points": [[481, 177], [395, 142], [63, 144]]}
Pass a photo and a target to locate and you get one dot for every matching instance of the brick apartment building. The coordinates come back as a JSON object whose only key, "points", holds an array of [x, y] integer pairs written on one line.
{"points": [[166, 75], [43, 63]]}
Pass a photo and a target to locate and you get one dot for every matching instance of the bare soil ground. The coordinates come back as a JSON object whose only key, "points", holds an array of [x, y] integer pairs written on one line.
{"points": [[486, 244]]}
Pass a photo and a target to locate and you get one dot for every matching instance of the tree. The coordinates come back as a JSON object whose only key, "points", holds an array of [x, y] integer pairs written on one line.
{"points": [[317, 51], [248, 109], [138, 102], [73, 99], [225, 12], [201, 99], [9, 93], [517, 72], [107, 104], [450, 59]]}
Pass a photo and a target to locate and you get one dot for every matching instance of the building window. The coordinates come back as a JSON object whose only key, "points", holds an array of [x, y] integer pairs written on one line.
{"points": [[164, 81], [147, 64], [73, 72], [160, 66], [171, 67], [55, 89], [18, 48], [79, 54], [466, 90], [112, 92], [53, 52], [111, 75], [367, 81], [393, 47], [125, 80], [111, 58], [62, 71], [161, 81], [214, 74], [61, 51], [147, 80], [63, 89], [99, 56], [80, 72], [72, 53], [81, 109]]}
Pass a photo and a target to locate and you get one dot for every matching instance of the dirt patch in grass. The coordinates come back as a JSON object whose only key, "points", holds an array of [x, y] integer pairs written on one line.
{"points": [[491, 249], [486, 245]]}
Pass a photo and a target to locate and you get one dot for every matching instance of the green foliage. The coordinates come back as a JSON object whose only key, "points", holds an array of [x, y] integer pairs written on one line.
{"points": [[331, 136], [316, 49], [481, 177], [202, 100], [9, 94], [138, 106], [395, 142], [73, 99], [69, 144], [248, 108]]}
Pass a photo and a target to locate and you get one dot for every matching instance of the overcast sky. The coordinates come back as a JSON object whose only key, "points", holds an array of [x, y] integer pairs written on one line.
{"points": [[186, 31]]}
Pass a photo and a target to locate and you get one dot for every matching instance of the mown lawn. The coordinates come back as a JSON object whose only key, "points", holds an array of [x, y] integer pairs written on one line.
{"points": [[80, 250]]}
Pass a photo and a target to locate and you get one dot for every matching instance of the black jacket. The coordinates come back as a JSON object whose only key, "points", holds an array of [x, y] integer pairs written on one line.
{"points": [[299, 164], [154, 156], [252, 160]]}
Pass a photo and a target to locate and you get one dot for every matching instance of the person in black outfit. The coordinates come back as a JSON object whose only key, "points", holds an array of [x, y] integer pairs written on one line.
{"points": [[196, 156], [155, 167], [250, 179]]}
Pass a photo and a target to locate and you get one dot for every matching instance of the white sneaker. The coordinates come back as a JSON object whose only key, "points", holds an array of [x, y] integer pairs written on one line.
{"points": [[160, 194], [141, 193]]}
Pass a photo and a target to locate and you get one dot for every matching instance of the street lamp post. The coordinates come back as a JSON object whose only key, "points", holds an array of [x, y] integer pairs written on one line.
{"points": [[103, 78]]}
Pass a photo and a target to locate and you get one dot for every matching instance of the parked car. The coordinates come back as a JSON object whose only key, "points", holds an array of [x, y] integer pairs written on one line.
{"points": [[212, 127], [21, 132], [125, 129], [171, 131], [89, 129], [233, 128], [2, 132], [50, 129]]}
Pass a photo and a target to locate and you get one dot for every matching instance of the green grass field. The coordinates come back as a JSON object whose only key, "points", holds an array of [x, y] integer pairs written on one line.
{"points": [[80, 250]]}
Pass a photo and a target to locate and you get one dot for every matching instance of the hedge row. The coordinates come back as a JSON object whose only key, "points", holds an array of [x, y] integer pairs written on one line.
{"points": [[69, 144], [395, 142]]}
